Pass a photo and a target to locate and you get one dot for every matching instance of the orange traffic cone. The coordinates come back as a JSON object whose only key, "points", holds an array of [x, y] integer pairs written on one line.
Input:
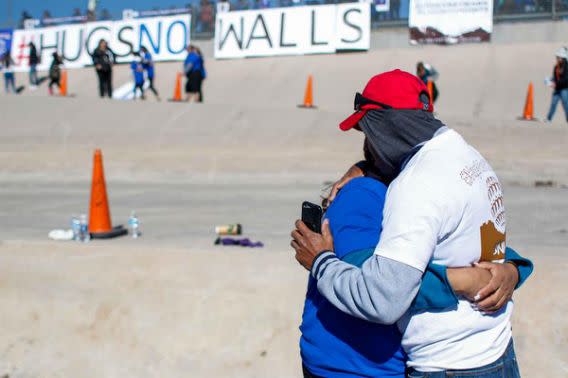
{"points": [[431, 91], [99, 212], [528, 112], [177, 89], [63, 84], [308, 95]]}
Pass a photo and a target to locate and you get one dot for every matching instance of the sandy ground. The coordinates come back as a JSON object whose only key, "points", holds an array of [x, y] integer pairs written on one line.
{"points": [[125, 310], [170, 303]]}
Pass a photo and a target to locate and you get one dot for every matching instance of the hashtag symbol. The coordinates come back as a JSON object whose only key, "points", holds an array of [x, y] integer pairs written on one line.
{"points": [[22, 52]]}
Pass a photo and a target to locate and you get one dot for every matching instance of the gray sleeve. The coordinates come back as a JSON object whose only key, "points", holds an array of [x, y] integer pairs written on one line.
{"points": [[381, 291]]}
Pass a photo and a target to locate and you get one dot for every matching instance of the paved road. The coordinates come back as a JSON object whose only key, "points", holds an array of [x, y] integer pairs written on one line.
{"points": [[183, 215]]}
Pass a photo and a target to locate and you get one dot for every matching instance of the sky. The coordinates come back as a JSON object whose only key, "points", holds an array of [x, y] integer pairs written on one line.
{"points": [[11, 10]]}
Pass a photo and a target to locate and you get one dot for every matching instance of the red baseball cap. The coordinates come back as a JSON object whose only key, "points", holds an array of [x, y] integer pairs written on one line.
{"points": [[390, 90]]}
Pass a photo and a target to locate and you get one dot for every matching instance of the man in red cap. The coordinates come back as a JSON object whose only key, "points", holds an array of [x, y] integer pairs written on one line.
{"points": [[444, 205]]}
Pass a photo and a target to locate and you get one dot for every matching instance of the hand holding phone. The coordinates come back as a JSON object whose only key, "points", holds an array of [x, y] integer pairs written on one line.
{"points": [[311, 216]]}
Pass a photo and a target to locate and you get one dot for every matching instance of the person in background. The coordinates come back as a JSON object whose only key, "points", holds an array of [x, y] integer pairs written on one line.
{"points": [[148, 64], [203, 73], [428, 73], [25, 16], [34, 60], [559, 82], [223, 6], [138, 74], [244, 5], [7, 63], [193, 66], [206, 17], [103, 59], [55, 72]]}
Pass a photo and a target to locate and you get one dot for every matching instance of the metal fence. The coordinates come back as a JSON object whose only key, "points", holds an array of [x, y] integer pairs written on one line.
{"points": [[504, 10], [203, 11]]}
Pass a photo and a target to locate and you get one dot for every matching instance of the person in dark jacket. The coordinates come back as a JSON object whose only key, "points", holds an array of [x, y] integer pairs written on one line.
{"points": [[427, 73], [34, 61], [559, 82], [55, 72], [103, 59]]}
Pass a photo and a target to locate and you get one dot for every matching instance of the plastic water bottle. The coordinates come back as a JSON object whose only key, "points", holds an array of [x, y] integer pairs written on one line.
{"points": [[76, 227], [134, 225], [84, 234]]}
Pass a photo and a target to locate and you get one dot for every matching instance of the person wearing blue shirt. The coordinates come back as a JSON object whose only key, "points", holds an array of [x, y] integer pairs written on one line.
{"points": [[335, 344], [193, 68], [138, 73], [148, 64]]}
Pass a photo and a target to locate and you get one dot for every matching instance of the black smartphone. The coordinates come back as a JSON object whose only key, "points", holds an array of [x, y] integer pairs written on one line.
{"points": [[311, 216]]}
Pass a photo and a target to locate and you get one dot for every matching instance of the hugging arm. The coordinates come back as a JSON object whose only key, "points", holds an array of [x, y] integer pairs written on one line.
{"points": [[380, 291], [441, 286]]}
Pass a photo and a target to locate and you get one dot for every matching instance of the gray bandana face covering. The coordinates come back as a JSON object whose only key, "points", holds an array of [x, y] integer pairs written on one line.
{"points": [[390, 135]]}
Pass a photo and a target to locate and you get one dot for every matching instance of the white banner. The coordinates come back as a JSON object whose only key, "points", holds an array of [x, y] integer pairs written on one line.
{"points": [[293, 31], [165, 38], [450, 21]]}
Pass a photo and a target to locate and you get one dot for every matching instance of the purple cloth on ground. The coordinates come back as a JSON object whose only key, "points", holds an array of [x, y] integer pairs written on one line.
{"points": [[246, 242]]}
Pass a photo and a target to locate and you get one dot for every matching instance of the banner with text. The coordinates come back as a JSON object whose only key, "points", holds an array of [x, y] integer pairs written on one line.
{"points": [[450, 21], [293, 31], [166, 38]]}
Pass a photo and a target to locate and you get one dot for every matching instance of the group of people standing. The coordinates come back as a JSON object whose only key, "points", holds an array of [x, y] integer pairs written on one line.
{"points": [[54, 75], [143, 70], [142, 67]]}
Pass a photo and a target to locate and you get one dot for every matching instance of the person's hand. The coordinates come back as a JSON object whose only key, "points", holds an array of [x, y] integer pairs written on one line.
{"points": [[99, 67], [496, 294], [467, 282], [351, 173], [309, 244]]}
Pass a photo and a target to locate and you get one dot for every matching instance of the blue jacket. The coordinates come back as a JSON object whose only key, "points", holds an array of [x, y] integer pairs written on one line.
{"points": [[137, 72], [193, 62], [148, 65], [334, 344]]}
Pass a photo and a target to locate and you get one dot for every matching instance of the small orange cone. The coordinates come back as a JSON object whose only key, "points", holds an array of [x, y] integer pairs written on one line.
{"points": [[99, 213], [63, 84], [177, 89], [308, 95], [431, 91], [528, 112]]}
